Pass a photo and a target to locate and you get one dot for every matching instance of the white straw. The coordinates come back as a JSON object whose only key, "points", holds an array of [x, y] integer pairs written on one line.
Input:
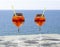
{"points": [[43, 11], [14, 10]]}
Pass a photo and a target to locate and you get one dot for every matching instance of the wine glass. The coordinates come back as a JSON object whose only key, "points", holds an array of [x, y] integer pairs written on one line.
{"points": [[39, 20], [18, 20]]}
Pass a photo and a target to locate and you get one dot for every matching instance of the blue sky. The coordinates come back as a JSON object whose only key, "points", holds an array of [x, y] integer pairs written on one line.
{"points": [[30, 4]]}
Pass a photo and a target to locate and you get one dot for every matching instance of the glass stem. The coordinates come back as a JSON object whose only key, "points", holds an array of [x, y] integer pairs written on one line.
{"points": [[18, 29], [39, 28]]}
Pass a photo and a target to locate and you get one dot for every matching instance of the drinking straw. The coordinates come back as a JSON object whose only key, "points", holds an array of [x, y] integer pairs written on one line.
{"points": [[43, 11], [14, 10]]}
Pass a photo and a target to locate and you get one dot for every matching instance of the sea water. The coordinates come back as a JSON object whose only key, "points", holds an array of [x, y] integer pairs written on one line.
{"points": [[51, 26]]}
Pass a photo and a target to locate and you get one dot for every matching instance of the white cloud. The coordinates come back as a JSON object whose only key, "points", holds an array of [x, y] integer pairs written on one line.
{"points": [[30, 4]]}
